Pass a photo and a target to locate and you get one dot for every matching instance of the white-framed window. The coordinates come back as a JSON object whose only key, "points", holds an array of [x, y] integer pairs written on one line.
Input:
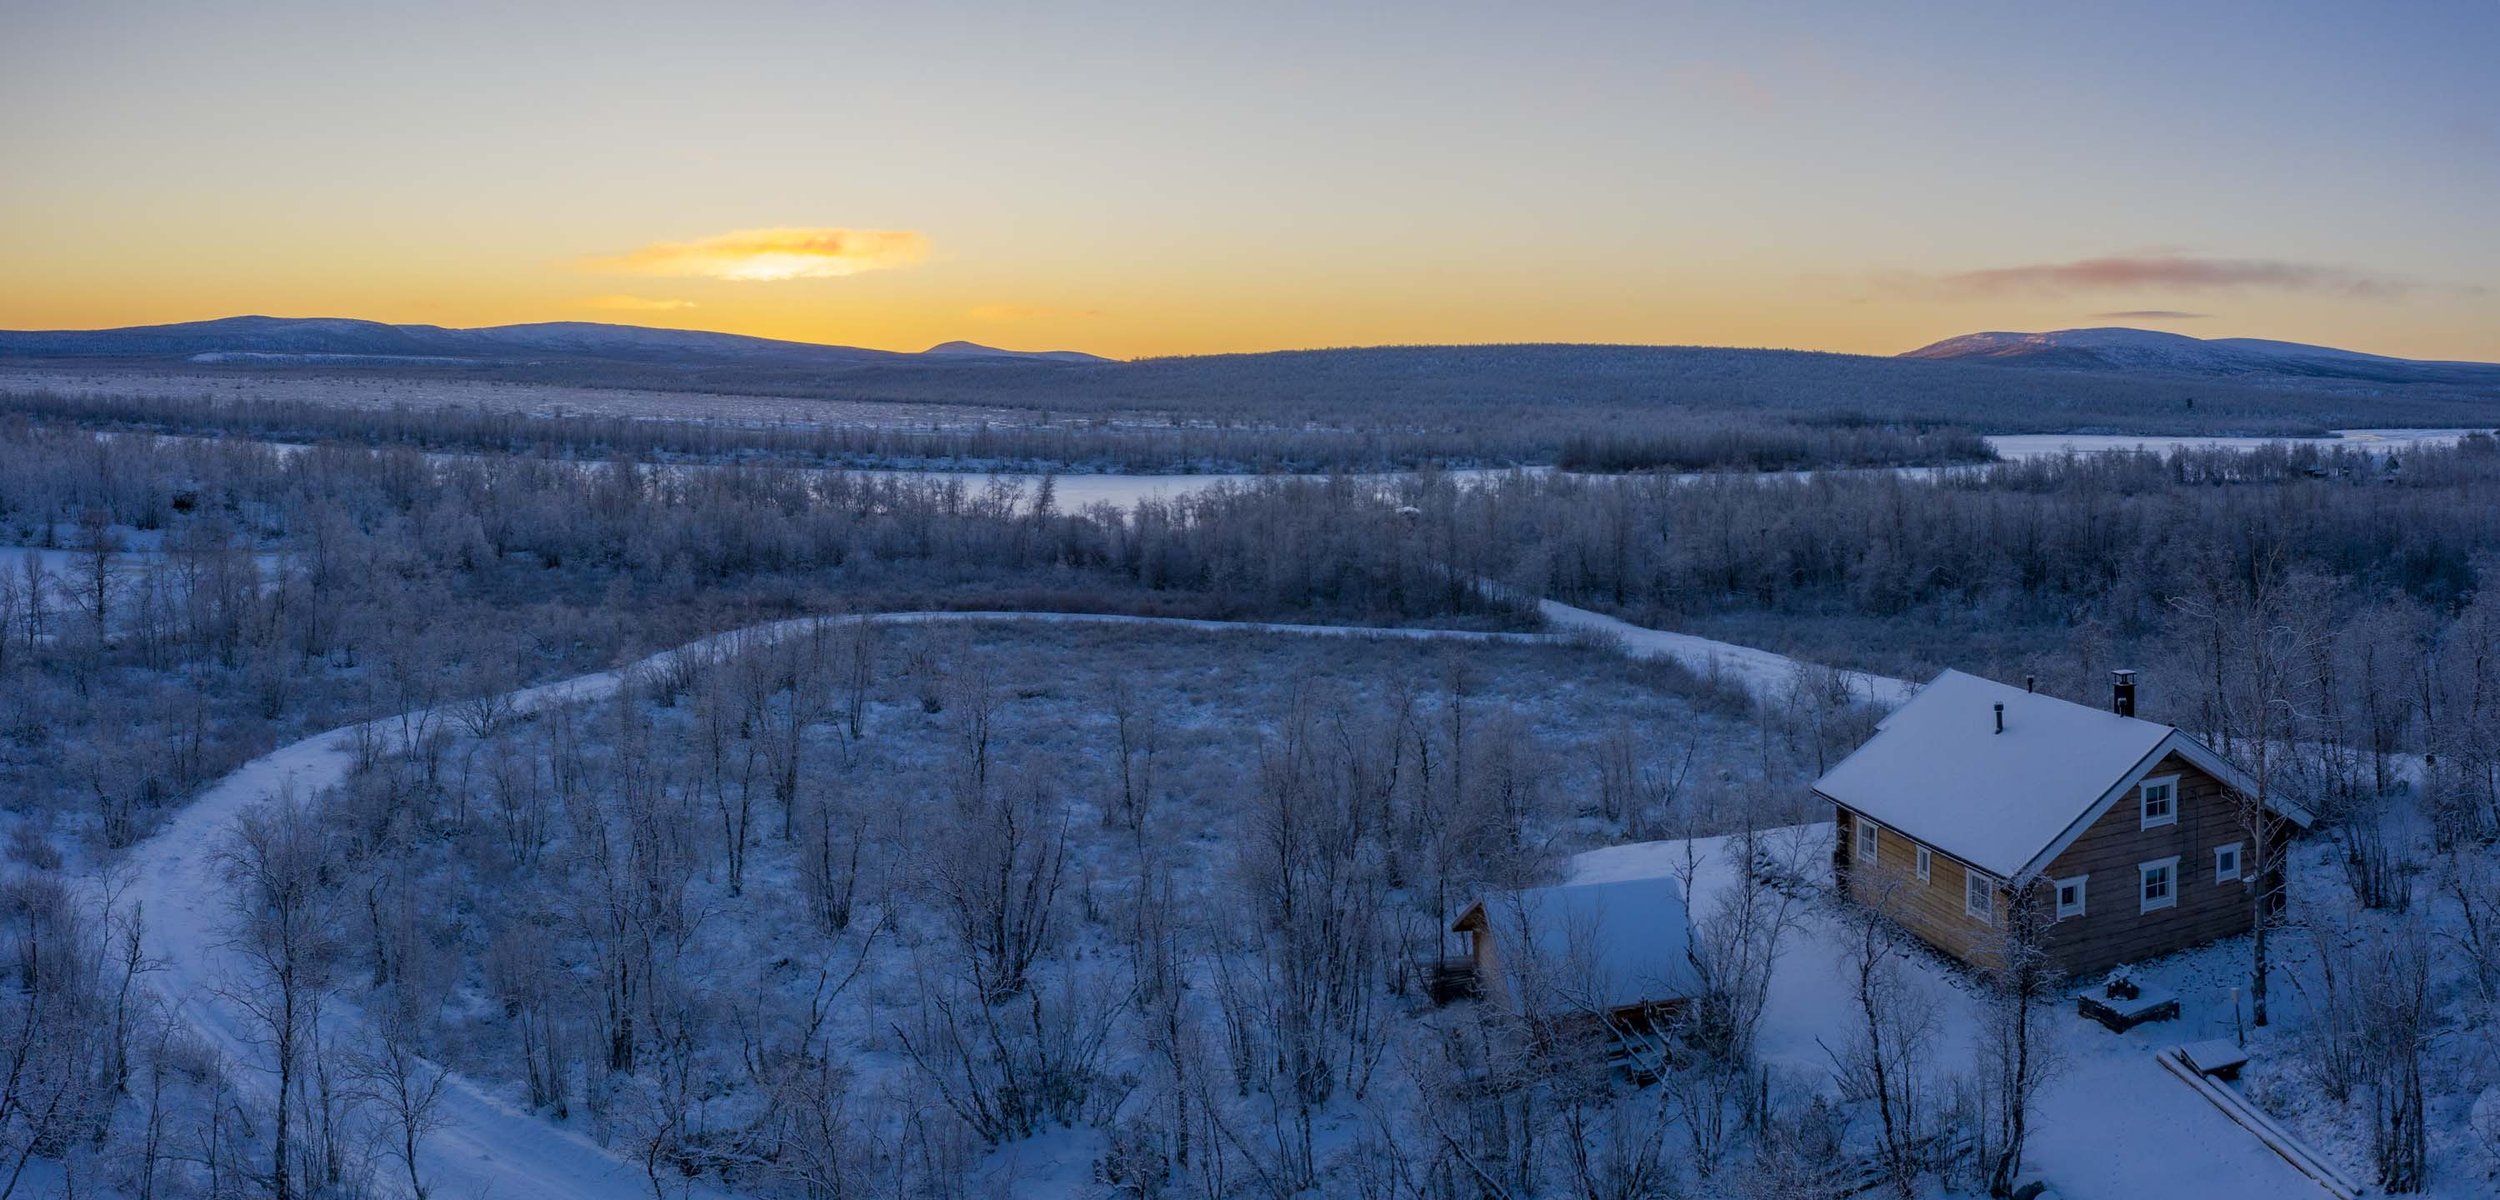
{"points": [[1922, 865], [2226, 863], [1867, 833], [2158, 883], [2070, 897], [2158, 801], [1979, 896]]}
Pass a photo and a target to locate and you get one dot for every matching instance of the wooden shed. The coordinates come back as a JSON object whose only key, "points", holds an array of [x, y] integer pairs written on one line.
{"points": [[1620, 950]]}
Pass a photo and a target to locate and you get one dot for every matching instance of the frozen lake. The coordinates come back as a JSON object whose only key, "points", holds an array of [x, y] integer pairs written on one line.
{"points": [[1077, 491], [2042, 445]]}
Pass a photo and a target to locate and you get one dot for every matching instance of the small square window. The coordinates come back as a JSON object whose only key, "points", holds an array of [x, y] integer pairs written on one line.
{"points": [[2158, 801], [1922, 864], [2159, 880], [2070, 897], [2226, 863], [1866, 841], [1979, 896]]}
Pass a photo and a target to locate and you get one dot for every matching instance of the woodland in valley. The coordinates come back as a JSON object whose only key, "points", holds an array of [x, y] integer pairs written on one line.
{"points": [[887, 909]]}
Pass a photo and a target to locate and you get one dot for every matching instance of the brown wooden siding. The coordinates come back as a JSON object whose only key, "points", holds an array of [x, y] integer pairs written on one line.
{"points": [[2113, 929], [1932, 909]]}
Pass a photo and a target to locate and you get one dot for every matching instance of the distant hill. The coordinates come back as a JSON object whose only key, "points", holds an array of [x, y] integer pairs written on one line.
{"points": [[2153, 350], [341, 342], [2086, 381], [977, 350]]}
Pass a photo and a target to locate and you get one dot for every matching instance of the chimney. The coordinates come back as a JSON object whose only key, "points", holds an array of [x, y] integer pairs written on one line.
{"points": [[2000, 718], [2122, 693]]}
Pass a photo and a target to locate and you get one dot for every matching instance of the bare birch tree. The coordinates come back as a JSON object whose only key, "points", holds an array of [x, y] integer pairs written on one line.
{"points": [[277, 860]]}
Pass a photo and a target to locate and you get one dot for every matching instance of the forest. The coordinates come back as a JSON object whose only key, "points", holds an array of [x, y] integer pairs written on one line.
{"points": [[910, 909], [986, 439], [1601, 409]]}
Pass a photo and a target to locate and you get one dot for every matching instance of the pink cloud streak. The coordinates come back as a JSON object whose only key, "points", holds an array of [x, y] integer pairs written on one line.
{"points": [[2175, 272]]}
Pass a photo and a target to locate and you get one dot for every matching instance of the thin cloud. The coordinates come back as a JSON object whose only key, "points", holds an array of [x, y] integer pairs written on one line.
{"points": [[2150, 314], [633, 303], [771, 255], [2177, 272], [1029, 312]]}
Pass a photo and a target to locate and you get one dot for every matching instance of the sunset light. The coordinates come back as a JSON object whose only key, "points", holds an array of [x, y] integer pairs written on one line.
{"points": [[1294, 600], [772, 255], [1213, 178]]}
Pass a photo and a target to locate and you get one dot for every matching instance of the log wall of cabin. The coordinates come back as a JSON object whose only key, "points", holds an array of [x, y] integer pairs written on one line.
{"points": [[2113, 928], [1932, 908]]}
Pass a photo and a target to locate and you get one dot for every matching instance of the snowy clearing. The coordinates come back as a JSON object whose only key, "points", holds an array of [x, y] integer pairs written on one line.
{"points": [[485, 1145]]}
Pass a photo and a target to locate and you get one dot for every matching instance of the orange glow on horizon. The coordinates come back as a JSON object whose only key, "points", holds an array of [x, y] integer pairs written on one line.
{"points": [[774, 255]]}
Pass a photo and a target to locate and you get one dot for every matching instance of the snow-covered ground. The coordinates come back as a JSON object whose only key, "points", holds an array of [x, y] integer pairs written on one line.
{"points": [[1078, 490], [2112, 1124], [1075, 491], [1763, 672], [2043, 445], [127, 578], [484, 1145]]}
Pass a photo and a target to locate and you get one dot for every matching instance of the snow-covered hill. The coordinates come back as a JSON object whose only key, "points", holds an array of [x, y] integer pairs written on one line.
{"points": [[961, 349], [329, 340], [2119, 349]]}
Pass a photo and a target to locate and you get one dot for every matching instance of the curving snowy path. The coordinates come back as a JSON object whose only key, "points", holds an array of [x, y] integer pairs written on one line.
{"points": [[485, 1146], [1763, 672]]}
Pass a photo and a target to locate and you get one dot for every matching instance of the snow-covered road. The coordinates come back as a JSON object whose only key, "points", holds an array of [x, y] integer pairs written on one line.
{"points": [[486, 1146], [483, 1145], [1763, 672]]}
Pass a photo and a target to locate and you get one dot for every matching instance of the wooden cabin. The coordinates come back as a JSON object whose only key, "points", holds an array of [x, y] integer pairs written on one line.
{"points": [[1619, 950], [2130, 837]]}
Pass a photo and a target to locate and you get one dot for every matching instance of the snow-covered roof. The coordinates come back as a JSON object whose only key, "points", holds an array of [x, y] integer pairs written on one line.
{"points": [[1938, 771], [1592, 946]]}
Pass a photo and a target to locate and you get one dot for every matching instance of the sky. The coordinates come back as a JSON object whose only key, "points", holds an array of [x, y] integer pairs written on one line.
{"points": [[1188, 178]]}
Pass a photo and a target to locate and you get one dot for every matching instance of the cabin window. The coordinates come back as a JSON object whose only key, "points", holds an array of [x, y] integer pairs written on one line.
{"points": [[2160, 880], [2158, 800], [1866, 841], [1922, 864], [1979, 897], [2226, 863], [2070, 897]]}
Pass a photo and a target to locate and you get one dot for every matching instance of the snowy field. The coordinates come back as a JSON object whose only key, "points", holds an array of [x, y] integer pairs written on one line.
{"points": [[140, 580], [1168, 762], [2017, 446], [1076, 490], [1214, 700], [534, 399], [1212, 703], [1125, 491]]}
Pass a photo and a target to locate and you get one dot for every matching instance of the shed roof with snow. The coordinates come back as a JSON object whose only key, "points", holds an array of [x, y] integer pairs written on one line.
{"points": [[1594, 947], [1940, 771]]}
